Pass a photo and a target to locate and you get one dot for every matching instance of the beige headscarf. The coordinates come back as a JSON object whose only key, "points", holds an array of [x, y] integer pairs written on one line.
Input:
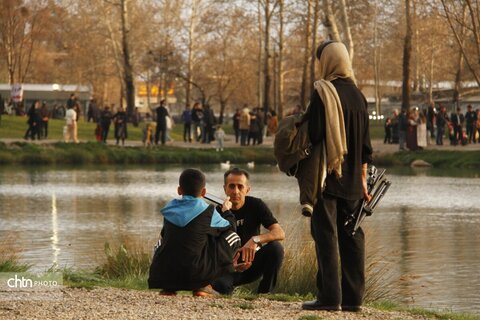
{"points": [[334, 63]]}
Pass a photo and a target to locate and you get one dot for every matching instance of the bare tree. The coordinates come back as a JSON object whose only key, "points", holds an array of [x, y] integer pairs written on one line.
{"points": [[19, 27], [452, 13]]}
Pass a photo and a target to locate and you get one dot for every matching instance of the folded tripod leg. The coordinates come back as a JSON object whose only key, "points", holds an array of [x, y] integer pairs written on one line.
{"points": [[377, 186]]}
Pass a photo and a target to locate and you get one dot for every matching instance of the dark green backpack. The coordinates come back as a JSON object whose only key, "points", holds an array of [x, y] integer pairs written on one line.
{"points": [[292, 143]]}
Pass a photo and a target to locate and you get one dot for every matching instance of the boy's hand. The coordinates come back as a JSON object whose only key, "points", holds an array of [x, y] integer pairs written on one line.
{"points": [[227, 204]]}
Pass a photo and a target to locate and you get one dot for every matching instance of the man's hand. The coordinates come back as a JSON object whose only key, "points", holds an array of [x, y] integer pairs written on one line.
{"points": [[227, 204], [240, 266], [247, 252]]}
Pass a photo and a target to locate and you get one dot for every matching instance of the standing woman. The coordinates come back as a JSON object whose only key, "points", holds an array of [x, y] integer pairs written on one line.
{"points": [[120, 121], [338, 123], [33, 121], [422, 131], [45, 115]]}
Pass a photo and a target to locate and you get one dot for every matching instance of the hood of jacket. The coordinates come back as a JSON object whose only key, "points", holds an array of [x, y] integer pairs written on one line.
{"points": [[181, 211]]}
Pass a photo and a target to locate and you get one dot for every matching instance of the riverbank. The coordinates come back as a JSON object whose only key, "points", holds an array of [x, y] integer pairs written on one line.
{"points": [[49, 152], [113, 303]]}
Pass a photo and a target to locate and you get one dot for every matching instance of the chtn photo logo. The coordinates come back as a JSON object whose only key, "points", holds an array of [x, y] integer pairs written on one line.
{"points": [[29, 281], [17, 282]]}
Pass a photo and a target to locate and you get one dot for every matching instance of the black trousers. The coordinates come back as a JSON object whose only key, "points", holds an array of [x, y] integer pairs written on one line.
{"points": [[331, 240], [266, 265], [187, 136], [160, 134]]}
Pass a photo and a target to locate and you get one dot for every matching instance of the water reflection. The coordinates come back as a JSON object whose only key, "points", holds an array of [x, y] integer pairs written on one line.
{"points": [[425, 228], [54, 238]]}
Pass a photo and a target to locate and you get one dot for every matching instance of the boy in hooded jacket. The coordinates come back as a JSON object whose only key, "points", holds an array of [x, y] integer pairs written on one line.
{"points": [[198, 241]]}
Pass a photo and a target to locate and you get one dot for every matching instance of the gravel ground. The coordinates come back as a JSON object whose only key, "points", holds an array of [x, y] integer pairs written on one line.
{"points": [[112, 303]]}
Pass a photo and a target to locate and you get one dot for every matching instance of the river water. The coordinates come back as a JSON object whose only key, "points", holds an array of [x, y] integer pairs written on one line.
{"points": [[426, 228]]}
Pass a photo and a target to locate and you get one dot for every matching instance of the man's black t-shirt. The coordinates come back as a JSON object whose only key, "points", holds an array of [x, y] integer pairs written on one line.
{"points": [[249, 217]]}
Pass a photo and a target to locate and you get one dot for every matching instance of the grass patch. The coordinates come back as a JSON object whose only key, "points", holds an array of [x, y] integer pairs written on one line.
{"points": [[245, 306], [126, 262], [10, 256], [96, 153], [391, 306], [310, 317], [283, 297], [441, 158]]}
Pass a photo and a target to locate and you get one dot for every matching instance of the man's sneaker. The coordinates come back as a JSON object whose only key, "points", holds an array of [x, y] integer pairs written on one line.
{"points": [[167, 293], [206, 291]]}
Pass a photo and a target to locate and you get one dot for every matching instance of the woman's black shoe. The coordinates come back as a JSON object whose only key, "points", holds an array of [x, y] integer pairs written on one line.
{"points": [[352, 308]]}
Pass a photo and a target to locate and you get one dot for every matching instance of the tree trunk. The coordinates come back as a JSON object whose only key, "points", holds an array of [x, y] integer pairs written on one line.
{"points": [[191, 40], [127, 66], [330, 22], [223, 105], [407, 52], [416, 66], [280, 61], [313, 48], [266, 62], [306, 56], [115, 46], [259, 57], [432, 65], [347, 29], [461, 61], [376, 62]]}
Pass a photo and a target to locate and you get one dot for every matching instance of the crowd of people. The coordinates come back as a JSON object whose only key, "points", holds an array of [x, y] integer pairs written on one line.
{"points": [[415, 129]]}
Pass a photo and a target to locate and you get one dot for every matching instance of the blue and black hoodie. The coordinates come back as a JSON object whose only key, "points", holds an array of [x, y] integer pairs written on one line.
{"points": [[198, 244]]}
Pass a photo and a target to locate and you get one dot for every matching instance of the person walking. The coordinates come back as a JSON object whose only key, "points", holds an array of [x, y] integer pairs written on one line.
{"points": [[338, 120], [244, 126], [120, 122], [197, 120], [187, 124], [219, 137], [45, 116], [236, 122], [105, 121], [441, 119], [71, 124], [161, 130], [470, 122], [34, 122], [457, 120]]}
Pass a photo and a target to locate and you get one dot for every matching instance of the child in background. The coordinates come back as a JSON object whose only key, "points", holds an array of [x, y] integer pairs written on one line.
{"points": [[219, 137], [198, 241]]}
